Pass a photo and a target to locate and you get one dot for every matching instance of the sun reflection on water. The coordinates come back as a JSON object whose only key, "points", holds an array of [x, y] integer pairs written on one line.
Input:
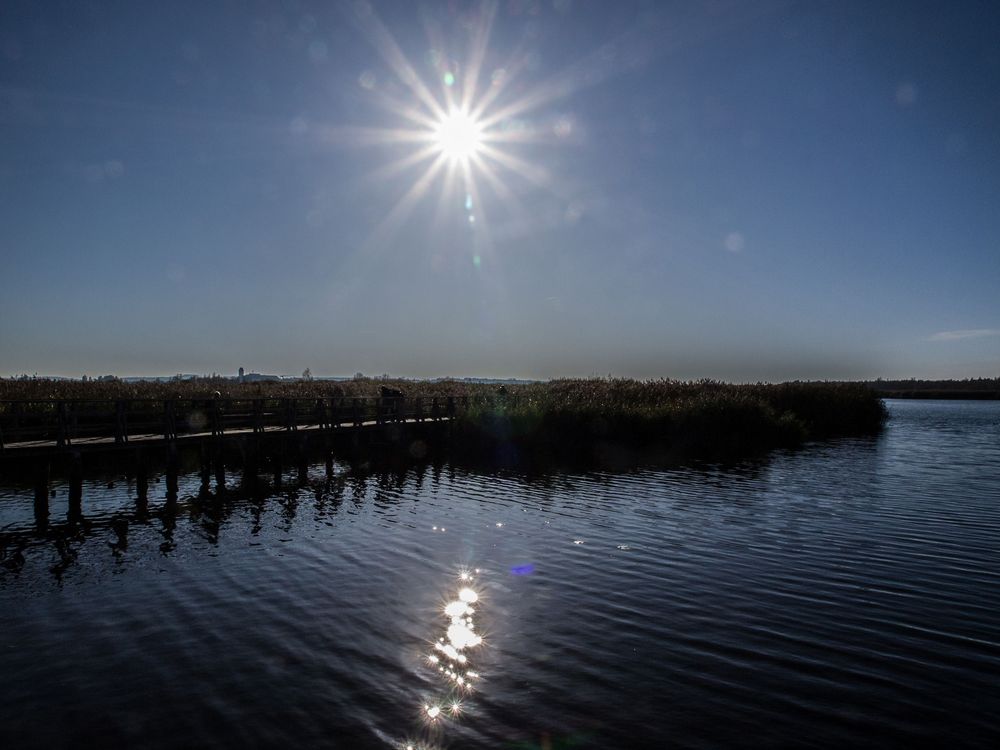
{"points": [[451, 655]]}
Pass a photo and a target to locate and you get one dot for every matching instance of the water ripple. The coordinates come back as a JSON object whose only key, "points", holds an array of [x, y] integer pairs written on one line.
{"points": [[844, 595]]}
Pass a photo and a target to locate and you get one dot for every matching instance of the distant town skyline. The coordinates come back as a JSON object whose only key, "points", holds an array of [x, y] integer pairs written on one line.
{"points": [[535, 189]]}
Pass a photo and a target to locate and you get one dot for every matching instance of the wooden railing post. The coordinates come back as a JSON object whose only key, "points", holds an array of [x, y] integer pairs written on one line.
{"points": [[62, 436], [169, 420], [321, 418], [121, 426], [216, 417], [258, 415]]}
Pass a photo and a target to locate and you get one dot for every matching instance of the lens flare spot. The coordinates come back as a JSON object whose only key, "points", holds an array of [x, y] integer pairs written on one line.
{"points": [[734, 242]]}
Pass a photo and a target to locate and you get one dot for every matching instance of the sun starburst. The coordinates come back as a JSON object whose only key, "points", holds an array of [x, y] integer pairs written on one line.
{"points": [[464, 131]]}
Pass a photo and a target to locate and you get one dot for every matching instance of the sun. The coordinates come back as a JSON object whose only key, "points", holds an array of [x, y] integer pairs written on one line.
{"points": [[465, 125], [458, 136]]}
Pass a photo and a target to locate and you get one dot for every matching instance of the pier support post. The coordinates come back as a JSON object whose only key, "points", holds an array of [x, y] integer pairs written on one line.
{"points": [[220, 468], [250, 465], [302, 457], [141, 475], [278, 463], [172, 473], [205, 465], [141, 483], [42, 495], [75, 512]]}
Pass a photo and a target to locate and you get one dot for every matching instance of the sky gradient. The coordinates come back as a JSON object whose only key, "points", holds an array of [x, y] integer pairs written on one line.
{"points": [[742, 191]]}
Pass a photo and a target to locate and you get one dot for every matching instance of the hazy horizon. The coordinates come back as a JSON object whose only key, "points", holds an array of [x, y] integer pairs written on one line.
{"points": [[465, 376], [739, 191]]}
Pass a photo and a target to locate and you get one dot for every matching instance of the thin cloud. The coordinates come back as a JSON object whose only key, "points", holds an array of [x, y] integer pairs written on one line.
{"points": [[974, 333]]}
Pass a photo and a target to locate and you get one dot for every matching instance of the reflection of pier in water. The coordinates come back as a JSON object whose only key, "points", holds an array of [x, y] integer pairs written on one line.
{"points": [[208, 508]]}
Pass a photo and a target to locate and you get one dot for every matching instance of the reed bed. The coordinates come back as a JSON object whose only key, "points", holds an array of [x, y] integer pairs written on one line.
{"points": [[567, 419], [203, 388], [615, 416]]}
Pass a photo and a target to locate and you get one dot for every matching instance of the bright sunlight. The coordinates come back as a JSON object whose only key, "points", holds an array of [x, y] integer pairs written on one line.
{"points": [[458, 136]]}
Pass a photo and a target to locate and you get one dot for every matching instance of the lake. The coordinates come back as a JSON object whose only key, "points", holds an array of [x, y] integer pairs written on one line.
{"points": [[846, 594]]}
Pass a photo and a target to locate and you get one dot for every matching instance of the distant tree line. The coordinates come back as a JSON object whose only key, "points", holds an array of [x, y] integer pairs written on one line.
{"points": [[975, 388]]}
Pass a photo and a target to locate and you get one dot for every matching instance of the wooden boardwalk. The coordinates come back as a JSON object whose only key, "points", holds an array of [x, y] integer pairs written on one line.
{"points": [[227, 433], [134, 441], [39, 428]]}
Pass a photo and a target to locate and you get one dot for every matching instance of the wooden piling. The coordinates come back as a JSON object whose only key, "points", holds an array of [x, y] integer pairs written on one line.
{"points": [[75, 512], [248, 455], [172, 473], [302, 456], [205, 464], [220, 468], [278, 464], [42, 494], [141, 475]]}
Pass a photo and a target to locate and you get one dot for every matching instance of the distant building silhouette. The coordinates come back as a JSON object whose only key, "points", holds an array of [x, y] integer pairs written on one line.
{"points": [[256, 377]]}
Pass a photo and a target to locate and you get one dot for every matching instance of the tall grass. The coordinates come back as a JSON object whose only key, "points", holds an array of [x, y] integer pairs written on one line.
{"points": [[567, 418], [707, 418], [198, 388]]}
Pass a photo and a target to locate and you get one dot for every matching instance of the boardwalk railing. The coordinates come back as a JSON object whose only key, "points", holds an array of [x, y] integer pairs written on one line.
{"points": [[68, 422]]}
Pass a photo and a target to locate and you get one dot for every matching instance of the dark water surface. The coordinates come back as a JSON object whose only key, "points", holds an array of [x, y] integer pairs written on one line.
{"points": [[843, 595]]}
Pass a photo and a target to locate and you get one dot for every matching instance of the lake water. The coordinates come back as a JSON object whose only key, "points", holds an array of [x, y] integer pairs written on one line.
{"points": [[844, 595]]}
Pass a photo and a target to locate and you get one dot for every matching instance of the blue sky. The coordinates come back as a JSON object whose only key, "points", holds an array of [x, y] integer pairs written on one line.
{"points": [[743, 191]]}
